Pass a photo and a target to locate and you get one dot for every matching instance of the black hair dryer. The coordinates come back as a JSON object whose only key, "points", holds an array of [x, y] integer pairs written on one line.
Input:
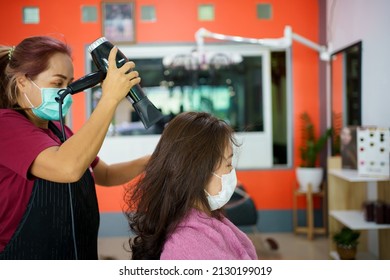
{"points": [[147, 112]]}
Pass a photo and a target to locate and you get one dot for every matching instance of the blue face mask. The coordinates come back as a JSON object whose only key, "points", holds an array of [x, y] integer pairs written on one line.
{"points": [[48, 110]]}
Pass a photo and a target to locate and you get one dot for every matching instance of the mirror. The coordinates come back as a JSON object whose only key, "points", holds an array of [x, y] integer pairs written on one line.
{"points": [[346, 82]]}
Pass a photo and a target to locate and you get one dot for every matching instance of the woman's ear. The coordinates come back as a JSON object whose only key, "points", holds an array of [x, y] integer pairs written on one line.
{"points": [[21, 82]]}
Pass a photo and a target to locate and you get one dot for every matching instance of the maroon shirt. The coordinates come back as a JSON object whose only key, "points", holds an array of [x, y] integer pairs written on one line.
{"points": [[20, 143]]}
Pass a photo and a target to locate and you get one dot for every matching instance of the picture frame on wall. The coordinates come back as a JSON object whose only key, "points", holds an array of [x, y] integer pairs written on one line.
{"points": [[118, 21]]}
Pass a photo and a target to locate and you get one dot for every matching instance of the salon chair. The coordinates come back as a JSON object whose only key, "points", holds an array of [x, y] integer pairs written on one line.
{"points": [[241, 211]]}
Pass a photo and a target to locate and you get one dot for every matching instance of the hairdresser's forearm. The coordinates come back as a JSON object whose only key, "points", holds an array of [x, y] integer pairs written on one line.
{"points": [[119, 173], [81, 149], [68, 162]]}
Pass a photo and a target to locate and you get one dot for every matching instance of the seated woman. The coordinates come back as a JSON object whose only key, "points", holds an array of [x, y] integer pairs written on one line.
{"points": [[175, 208]]}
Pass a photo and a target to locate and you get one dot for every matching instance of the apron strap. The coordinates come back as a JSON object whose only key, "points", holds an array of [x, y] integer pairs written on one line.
{"points": [[56, 131]]}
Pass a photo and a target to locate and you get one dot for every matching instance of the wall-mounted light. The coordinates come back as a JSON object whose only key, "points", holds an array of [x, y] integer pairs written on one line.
{"points": [[88, 14], [264, 11], [206, 12], [148, 13], [31, 15]]}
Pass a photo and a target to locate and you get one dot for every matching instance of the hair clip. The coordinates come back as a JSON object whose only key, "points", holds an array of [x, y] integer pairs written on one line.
{"points": [[10, 52]]}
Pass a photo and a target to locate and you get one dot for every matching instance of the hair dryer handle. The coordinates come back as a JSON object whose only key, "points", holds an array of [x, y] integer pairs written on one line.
{"points": [[148, 113]]}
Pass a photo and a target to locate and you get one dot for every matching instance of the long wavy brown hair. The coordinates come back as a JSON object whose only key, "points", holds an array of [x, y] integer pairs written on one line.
{"points": [[191, 147]]}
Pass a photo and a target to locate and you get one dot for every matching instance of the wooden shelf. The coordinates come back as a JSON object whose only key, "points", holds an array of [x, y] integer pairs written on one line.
{"points": [[351, 175], [355, 220], [347, 192]]}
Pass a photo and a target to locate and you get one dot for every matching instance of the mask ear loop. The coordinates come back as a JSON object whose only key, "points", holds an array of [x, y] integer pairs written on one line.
{"points": [[28, 100], [34, 84], [216, 176], [207, 192], [25, 95]]}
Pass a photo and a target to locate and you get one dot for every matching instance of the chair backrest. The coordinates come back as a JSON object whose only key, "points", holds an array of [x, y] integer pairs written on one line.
{"points": [[240, 209]]}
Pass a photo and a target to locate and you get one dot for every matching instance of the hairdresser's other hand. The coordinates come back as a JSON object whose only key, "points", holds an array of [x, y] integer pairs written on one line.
{"points": [[118, 81]]}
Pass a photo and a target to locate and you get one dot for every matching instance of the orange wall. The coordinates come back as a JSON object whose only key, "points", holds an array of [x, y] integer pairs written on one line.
{"points": [[337, 83], [177, 22]]}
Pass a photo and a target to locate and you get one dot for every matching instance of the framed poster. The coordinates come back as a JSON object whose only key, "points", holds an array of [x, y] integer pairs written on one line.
{"points": [[118, 21]]}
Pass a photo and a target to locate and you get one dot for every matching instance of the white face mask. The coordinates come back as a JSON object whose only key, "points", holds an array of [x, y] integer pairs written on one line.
{"points": [[229, 183]]}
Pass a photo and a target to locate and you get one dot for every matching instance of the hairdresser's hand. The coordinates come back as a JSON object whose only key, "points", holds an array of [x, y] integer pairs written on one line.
{"points": [[118, 81]]}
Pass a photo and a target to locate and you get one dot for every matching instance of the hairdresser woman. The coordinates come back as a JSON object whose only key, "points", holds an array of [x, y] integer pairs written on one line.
{"points": [[48, 205]]}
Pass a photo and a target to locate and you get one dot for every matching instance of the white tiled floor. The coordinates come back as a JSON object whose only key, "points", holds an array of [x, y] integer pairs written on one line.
{"points": [[291, 247]]}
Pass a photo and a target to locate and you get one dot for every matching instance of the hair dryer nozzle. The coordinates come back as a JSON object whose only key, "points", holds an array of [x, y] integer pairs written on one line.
{"points": [[96, 44], [147, 112]]}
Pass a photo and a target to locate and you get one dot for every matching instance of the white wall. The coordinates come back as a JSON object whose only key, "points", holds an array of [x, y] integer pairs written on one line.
{"points": [[349, 21]]}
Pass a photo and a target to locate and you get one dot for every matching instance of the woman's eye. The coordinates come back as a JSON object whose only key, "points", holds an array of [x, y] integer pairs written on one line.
{"points": [[59, 84]]}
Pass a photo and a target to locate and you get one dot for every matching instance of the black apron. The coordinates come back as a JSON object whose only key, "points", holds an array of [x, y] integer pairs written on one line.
{"points": [[46, 232]]}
